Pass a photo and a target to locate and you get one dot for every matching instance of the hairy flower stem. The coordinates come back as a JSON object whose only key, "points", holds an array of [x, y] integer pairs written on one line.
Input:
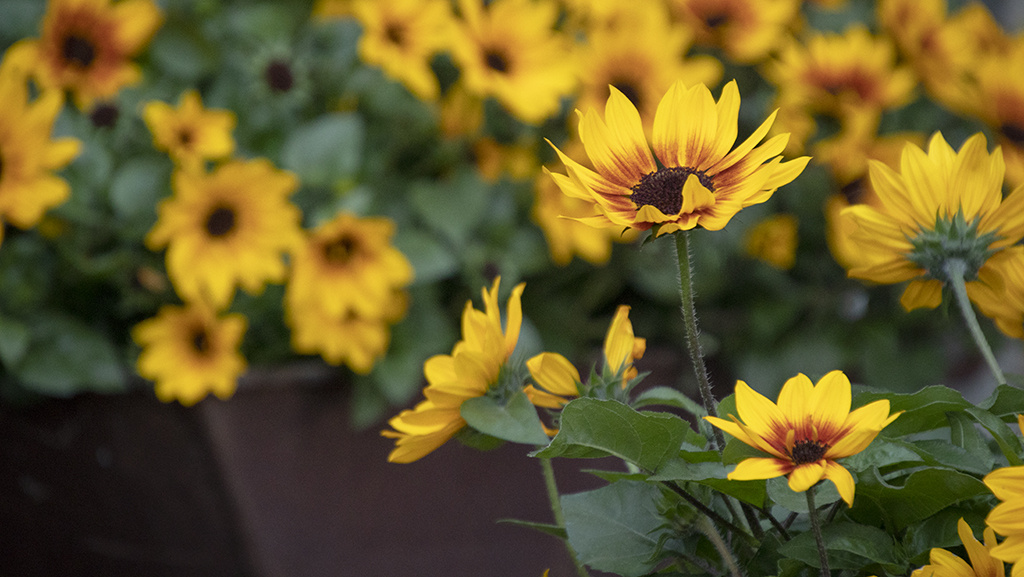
{"points": [[708, 528], [955, 269], [689, 311], [556, 510], [812, 512]]}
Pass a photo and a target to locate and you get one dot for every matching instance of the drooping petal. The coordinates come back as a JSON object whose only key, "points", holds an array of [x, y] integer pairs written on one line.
{"points": [[842, 479], [760, 468], [806, 475]]}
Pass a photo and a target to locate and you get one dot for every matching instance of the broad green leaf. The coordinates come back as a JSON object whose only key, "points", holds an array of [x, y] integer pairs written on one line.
{"points": [[670, 397], [429, 258], [1005, 402], [940, 531], [882, 452], [592, 428], [923, 411], [14, 340], [615, 528], [779, 492], [964, 433], [941, 453], [453, 207], [325, 149], [923, 493], [66, 357], [137, 186], [849, 545], [515, 421], [1008, 441]]}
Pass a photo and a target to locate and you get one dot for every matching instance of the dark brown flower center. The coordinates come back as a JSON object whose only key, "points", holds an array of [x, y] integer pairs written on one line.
{"points": [[340, 251], [715, 20], [395, 33], [663, 189], [104, 115], [200, 340], [78, 51], [496, 60], [279, 76], [220, 222], [1013, 133], [807, 451], [185, 137], [630, 90]]}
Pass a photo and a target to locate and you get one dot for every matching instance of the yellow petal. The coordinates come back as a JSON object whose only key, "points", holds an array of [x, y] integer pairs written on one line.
{"points": [[759, 468], [554, 373], [806, 475], [829, 405], [761, 415], [842, 479], [922, 293]]}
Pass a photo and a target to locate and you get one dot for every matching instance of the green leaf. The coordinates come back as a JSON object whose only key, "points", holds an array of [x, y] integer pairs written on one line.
{"points": [[1005, 402], [515, 421], [615, 528], [937, 452], [924, 493], [849, 545], [137, 186], [66, 357], [591, 428], [779, 492], [429, 258], [1008, 441], [923, 411], [964, 434], [669, 397], [883, 452], [452, 207], [14, 340], [326, 149]]}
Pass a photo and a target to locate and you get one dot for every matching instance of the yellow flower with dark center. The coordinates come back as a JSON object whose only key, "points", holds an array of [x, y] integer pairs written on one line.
{"points": [[942, 563], [805, 433], [1007, 518], [227, 228], [699, 181], [510, 50], [401, 37], [355, 341], [943, 205], [189, 351], [746, 30], [472, 369], [773, 240], [190, 134], [86, 46], [28, 155]]}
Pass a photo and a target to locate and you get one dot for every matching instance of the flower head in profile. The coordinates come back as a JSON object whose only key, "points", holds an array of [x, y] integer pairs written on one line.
{"points": [[189, 351], [86, 46], [474, 368], [694, 178], [1007, 518], [190, 134], [28, 153], [942, 563], [227, 228], [805, 433], [942, 208]]}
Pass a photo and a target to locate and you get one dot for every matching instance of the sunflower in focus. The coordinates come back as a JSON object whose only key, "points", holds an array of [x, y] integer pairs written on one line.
{"points": [[227, 228], [747, 31], [943, 207], [474, 368], [699, 181], [190, 134], [510, 50], [401, 37], [805, 433], [28, 154], [86, 46], [942, 563], [189, 351], [1007, 484]]}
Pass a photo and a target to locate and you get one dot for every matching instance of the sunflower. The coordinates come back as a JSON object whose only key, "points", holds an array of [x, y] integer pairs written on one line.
{"points": [[190, 134], [1000, 104], [190, 351], [401, 37], [942, 563], [1007, 484], [943, 207], [699, 181], [472, 370], [510, 50], [809, 428], [747, 31], [355, 341], [28, 155], [773, 240], [86, 46], [230, 227]]}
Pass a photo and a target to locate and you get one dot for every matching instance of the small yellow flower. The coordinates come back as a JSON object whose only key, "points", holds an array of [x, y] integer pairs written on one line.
{"points": [[805, 433], [746, 30], [773, 240], [470, 371], [190, 134], [190, 351], [942, 563], [698, 178], [355, 341]]}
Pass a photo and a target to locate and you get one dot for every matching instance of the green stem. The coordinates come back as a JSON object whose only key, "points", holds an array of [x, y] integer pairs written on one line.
{"points": [[955, 269], [556, 510], [812, 511], [689, 311], [709, 529]]}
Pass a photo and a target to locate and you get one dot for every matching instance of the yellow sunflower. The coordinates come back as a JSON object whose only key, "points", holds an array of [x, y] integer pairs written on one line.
{"points": [[230, 227], [773, 240], [86, 46], [190, 134], [699, 181], [1000, 104], [189, 351], [509, 50], [943, 206], [942, 563], [401, 37], [355, 341], [1006, 518], [809, 428], [747, 31], [470, 371], [28, 155]]}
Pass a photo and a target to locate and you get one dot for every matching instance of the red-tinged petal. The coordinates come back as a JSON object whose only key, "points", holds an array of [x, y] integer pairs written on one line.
{"points": [[760, 414], [829, 405], [794, 396]]}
